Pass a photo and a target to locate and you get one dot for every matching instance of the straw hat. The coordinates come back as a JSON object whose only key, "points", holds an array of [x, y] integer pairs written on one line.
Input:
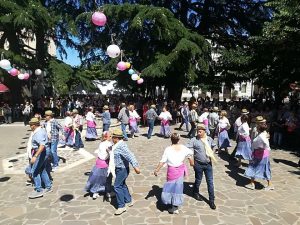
{"points": [[75, 111], [152, 106], [260, 119], [117, 133], [215, 109], [105, 107], [48, 113], [201, 126], [245, 111], [34, 121]]}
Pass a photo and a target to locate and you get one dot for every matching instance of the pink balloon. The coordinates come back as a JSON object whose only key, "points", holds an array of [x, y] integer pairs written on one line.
{"points": [[122, 66], [140, 81], [14, 72], [99, 19], [26, 76]]}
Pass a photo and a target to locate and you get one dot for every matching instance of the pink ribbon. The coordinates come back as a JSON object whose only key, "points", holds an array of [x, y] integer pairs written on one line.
{"points": [[101, 163]]}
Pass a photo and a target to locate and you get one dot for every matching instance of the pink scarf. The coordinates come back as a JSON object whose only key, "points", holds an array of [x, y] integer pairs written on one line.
{"points": [[260, 153], [101, 164], [173, 173], [91, 124], [165, 122]]}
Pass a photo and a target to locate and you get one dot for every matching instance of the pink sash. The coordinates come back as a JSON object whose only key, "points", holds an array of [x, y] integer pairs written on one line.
{"points": [[132, 121], [244, 138], [91, 124], [165, 122], [101, 163], [173, 173], [205, 122], [260, 153], [222, 129]]}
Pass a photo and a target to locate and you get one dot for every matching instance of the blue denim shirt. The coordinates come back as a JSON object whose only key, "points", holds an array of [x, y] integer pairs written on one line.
{"points": [[106, 117], [123, 156], [199, 149], [39, 138]]}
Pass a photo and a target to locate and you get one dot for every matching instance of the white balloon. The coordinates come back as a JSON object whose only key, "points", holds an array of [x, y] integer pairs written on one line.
{"points": [[113, 51], [4, 63], [38, 72], [21, 76], [134, 76]]}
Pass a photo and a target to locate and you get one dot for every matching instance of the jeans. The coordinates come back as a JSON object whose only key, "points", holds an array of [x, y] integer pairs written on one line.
{"points": [[106, 127], [78, 141], [123, 127], [122, 193], [277, 139], [150, 129], [39, 172], [208, 172], [7, 118], [185, 121], [192, 132], [55, 158]]}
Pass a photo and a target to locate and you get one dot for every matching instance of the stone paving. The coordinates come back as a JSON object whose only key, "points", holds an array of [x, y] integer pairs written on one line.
{"points": [[68, 204]]}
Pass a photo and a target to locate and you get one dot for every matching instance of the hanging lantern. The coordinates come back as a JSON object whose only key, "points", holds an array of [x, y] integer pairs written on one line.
{"points": [[21, 76], [99, 19], [113, 51], [5, 64], [140, 81], [128, 65], [121, 66], [38, 72], [134, 76], [131, 71], [26, 76], [14, 72]]}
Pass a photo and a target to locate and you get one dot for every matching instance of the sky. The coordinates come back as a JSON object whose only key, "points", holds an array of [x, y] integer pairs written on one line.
{"points": [[72, 56]]}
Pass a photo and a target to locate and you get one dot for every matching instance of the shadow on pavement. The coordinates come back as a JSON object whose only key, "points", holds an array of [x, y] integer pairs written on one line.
{"points": [[286, 162], [4, 179], [66, 198], [156, 191]]}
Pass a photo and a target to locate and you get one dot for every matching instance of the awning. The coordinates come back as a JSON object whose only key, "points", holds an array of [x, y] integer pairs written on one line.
{"points": [[3, 88]]}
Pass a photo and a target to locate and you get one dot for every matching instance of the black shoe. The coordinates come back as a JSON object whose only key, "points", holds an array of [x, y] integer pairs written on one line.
{"points": [[212, 205], [198, 197]]}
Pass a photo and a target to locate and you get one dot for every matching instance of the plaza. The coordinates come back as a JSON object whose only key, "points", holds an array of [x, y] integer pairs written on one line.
{"points": [[69, 204]]}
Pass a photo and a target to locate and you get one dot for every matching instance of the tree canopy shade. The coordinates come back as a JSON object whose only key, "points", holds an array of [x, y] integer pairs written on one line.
{"points": [[272, 58], [157, 44]]}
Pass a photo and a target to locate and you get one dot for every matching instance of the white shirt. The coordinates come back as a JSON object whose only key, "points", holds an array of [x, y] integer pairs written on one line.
{"points": [[203, 116], [68, 121], [102, 150], [176, 158], [90, 116], [237, 124], [244, 129], [261, 141], [133, 114], [223, 123], [165, 115]]}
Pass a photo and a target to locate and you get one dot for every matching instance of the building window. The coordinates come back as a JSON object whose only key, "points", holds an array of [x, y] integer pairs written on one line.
{"points": [[243, 88]]}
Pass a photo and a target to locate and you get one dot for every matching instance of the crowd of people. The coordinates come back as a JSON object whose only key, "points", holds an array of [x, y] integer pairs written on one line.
{"points": [[211, 128]]}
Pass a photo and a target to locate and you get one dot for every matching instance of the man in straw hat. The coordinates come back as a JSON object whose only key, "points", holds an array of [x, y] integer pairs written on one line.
{"points": [[39, 144], [123, 157], [151, 115], [53, 127], [106, 118], [203, 156]]}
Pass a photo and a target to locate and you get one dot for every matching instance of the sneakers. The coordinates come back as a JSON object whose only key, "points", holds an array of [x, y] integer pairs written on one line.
{"points": [[119, 211], [269, 188], [35, 194], [29, 182], [129, 204], [173, 210], [250, 186], [47, 190], [95, 195]]}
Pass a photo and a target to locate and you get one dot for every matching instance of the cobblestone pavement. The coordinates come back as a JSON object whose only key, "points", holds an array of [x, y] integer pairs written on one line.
{"points": [[68, 204]]}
